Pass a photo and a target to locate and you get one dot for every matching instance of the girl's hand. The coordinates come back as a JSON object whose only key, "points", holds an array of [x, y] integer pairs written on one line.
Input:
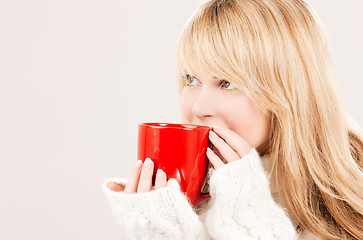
{"points": [[230, 145], [140, 179]]}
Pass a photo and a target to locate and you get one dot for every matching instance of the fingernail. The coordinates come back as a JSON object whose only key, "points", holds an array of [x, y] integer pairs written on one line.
{"points": [[147, 164], [161, 174], [213, 134]]}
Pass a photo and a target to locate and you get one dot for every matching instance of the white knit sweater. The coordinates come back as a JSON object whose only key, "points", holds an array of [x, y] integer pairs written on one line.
{"points": [[241, 207]]}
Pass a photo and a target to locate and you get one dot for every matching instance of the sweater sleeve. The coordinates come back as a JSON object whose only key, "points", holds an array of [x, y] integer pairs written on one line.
{"points": [[242, 206], [160, 214]]}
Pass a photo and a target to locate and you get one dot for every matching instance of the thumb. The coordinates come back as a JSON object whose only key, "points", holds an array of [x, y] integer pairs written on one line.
{"points": [[115, 186]]}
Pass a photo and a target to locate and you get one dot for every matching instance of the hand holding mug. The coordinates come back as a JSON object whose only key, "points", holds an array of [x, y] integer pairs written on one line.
{"points": [[170, 151], [229, 144], [140, 179]]}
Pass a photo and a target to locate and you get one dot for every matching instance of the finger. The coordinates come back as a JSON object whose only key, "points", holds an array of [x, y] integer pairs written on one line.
{"points": [[216, 151], [145, 182], [214, 159], [226, 151], [235, 141], [133, 179], [160, 179], [113, 186]]}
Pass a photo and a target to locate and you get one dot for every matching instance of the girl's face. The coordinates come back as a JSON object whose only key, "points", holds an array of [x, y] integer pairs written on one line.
{"points": [[207, 100]]}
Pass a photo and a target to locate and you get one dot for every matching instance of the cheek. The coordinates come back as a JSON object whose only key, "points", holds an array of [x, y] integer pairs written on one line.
{"points": [[247, 121], [237, 111]]}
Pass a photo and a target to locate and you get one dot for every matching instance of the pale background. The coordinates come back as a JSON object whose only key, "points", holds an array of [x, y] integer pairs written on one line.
{"points": [[76, 76]]}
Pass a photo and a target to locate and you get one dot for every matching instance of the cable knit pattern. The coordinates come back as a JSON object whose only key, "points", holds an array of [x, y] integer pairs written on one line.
{"points": [[242, 203], [241, 207], [160, 214]]}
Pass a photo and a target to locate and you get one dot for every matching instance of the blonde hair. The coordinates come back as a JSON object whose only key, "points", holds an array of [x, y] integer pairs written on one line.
{"points": [[278, 53]]}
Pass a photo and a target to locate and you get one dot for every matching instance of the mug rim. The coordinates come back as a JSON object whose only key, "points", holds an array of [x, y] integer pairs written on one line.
{"points": [[160, 125]]}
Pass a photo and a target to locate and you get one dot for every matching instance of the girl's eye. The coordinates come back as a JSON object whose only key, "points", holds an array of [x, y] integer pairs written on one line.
{"points": [[190, 80], [228, 85], [193, 81]]}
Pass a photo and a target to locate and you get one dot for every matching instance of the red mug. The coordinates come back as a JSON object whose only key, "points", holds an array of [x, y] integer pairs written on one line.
{"points": [[180, 151]]}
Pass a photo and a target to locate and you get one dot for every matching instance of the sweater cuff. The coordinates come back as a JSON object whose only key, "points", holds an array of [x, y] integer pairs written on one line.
{"points": [[160, 213], [241, 199], [152, 200], [237, 174]]}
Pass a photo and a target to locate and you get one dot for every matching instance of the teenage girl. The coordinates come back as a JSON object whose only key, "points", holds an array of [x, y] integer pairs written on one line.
{"points": [[286, 159]]}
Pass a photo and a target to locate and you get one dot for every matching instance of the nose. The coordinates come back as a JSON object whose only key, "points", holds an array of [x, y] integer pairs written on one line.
{"points": [[203, 106]]}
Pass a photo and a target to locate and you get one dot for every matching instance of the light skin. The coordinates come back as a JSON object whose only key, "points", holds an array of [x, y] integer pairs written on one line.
{"points": [[237, 125]]}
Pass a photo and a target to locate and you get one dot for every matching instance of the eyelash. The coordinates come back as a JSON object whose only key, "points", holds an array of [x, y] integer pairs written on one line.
{"points": [[222, 81]]}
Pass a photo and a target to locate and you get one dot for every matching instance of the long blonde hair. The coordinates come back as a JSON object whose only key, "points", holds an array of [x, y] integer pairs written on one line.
{"points": [[278, 53]]}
